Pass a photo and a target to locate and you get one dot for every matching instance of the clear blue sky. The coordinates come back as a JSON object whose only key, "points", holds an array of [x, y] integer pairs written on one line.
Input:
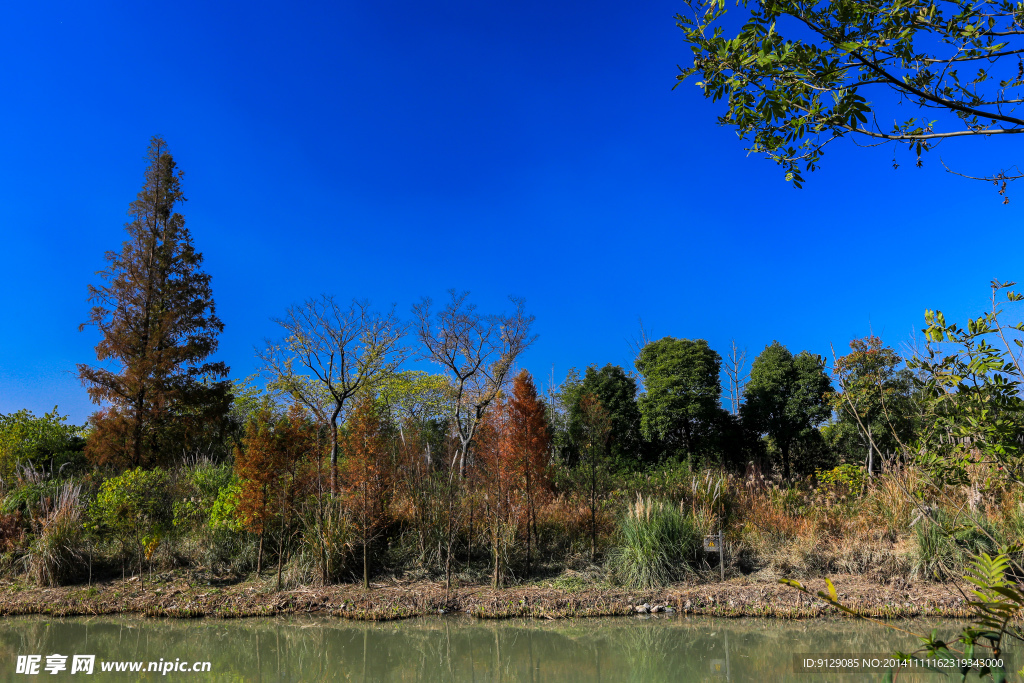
{"points": [[395, 150]]}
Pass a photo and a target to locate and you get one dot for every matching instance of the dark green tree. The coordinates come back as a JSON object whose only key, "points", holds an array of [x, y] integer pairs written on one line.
{"points": [[680, 407], [797, 75], [616, 391], [559, 405], [156, 314], [787, 397]]}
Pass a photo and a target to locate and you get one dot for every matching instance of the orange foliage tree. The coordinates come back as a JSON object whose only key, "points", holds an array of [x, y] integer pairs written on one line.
{"points": [[513, 453], [156, 313], [528, 444], [370, 474], [267, 464], [495, 474]]}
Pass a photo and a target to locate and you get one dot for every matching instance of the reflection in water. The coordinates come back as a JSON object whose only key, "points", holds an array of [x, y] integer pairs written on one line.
{"points": [[454, 649]]}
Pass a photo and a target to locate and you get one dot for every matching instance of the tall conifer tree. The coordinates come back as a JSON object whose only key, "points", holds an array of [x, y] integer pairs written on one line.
{"points": [[156, 313]]}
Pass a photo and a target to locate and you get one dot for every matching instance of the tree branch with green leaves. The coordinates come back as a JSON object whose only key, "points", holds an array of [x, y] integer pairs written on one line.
{"points": [[800, 74]]}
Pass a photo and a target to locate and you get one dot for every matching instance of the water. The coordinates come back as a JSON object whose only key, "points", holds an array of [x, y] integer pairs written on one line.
{"points": [[644, 650]]}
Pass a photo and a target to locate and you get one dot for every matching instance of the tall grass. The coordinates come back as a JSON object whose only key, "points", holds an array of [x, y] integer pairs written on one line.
{"points": [[55, 553], [944, 546], [328, 539], [657, 543]]}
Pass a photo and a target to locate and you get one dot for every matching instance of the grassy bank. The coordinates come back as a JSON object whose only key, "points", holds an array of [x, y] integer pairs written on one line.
{"points": [[184, 595]]}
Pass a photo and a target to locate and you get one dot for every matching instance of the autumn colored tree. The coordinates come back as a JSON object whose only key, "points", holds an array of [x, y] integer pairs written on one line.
{"points": [[267, 465], [495, 472], [156, 313], [370, 472], [528, 443]]}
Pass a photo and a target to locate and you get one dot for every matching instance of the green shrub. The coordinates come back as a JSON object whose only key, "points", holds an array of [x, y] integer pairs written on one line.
{"points": [[844, 479], [223, 512], [657, 544], [46, 443], [199, 491], [134, 508]]}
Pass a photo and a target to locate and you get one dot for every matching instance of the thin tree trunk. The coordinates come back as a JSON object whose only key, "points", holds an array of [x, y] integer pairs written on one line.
{"points": [[593, 508], [366, 536], [259, 555], [529, 515], [280, 559], [785, 462], [448, 547], [871, 453], [334, 447]]}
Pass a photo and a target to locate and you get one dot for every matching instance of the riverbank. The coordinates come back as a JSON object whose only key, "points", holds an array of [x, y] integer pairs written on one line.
{"points": [[183, 595]]}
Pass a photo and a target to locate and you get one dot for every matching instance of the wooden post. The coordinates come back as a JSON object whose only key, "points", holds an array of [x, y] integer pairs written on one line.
{"points": [[721, 555]]}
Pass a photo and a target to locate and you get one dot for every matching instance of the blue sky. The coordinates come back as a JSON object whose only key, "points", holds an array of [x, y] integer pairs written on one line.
{"points": [[396, 150]]}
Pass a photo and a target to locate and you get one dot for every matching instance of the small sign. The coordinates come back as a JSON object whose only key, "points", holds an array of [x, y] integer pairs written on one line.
{"points": [[711, 543], [717, 666]]}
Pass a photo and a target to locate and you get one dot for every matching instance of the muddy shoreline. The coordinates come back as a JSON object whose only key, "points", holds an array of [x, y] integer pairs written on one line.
{"points": [[181, 596]]}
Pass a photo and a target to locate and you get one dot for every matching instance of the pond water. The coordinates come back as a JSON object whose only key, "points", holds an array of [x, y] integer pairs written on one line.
{"points": [[669, 648]]}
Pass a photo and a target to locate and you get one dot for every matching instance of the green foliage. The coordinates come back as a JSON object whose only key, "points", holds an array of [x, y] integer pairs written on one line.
{"points": [[786, 398], [329, 539], [876, 404], [416, 395], [797, 75], [135, 508], [248, 401], [29, 493], [680, 407], [198, 493], [559, 407], [972, 393], [848, 478], [46, 442], [224, 511], [615, 390], [657, 543]]}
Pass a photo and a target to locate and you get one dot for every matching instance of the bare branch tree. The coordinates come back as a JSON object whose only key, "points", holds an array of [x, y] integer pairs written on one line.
{"points": [[636, 344], [735, 368], [476, 351], [344, 350]]}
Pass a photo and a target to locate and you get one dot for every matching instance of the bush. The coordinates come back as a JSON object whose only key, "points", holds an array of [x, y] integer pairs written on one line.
{"points": [[657, 544], [135, 508], [199, 492], [47, 443], [845, 479], [224, 511]]}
